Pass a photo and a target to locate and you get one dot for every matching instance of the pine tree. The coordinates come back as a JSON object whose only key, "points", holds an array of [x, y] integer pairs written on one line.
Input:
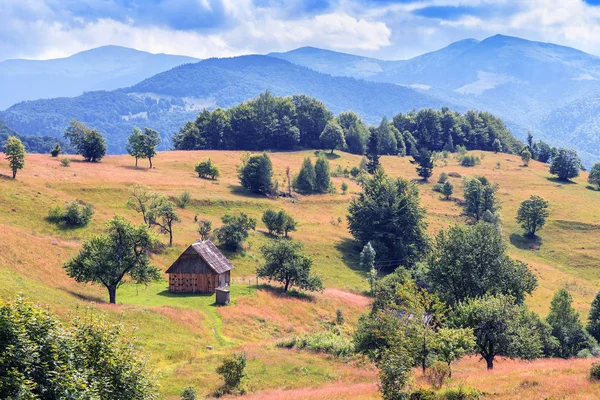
{"points": [[497, 146], [306, 179], [372, 154], [593, 325], [322, 177], [425, 164]]}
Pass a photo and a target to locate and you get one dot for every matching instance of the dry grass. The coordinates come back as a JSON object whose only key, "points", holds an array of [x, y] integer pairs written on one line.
{"points": [[176, 331]]}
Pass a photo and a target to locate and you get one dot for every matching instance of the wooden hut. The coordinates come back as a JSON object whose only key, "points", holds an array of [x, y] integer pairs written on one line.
{"points": [[200, 269]]}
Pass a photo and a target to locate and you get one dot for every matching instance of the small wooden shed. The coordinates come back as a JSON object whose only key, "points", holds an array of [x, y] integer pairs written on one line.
{"points": [[200, 269]]}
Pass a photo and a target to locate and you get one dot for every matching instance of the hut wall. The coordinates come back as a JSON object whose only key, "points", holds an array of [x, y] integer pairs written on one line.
{"points": [[192, 283]]}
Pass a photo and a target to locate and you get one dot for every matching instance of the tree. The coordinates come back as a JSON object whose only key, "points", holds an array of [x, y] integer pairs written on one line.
{"points": [[140, 199], [470, 261], [500, 327], [134, 144], [270, 220], [286, 223], [395, 370], [424, 160], [448, 189], [480, 197], [593, 325], [312, 116], [450, 344], [256, 174], [207, 170], [332, 137], [149, 142], [532, 214], [367, 257], [204, 229], [56, 150], [42, 357], [234, 230], [89, 143], [233, 370], [565, 164], [544, 152], [285, 264], [372, 152], [15, 154], [497, 145], [322, 176], [305, 181], [525, 156], [388, 214], [162, 213], [107, 258], [594, 177], [566, 326]]}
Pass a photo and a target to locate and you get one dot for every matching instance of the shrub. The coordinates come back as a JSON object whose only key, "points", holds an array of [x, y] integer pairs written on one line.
{"points": [[235, 230], [344, 188], [204, 229], [470, 161], [207, 170], [443, 177], [76, 213], [256, 174], [354, 172], [65, 162], [183, 199], [595, 371], [339, 317], [233, 370], [461, 393], [437, 374], [56, 150], [423, 394], [322, 342], [189, 393], [438, 187]]}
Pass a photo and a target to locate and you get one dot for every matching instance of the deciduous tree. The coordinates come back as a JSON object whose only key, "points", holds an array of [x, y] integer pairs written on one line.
{"points": [[15, 154], [532, 214], [565, 164]]}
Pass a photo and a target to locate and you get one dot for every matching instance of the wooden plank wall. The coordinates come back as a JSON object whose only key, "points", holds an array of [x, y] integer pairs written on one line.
{"points": [[192, 283]]}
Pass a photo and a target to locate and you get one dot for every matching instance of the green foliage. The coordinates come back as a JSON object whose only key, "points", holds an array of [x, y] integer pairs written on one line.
{"points": [[150, 139], [395, 370], [388, 214], [40, 358], [443, 178], [567, 327], [594, 176], [386, 137], [500, 327], [461, 393], [15, 154], [448, 189], [437, 374], [65, 162], [134, 144], [451, 344], [305, 181], [372, 153], [285, 264], [367, 257], [161, 213], [565, 164], [344, 188], [424, 160], [75, 214], [332, 137], [480, 197], [278, 222], [322, 176], [339, 317], [593, 325], [532, 214], [497, 145], [356, 132], [234, 230], [470, 261], [88, 143], [312, 117], [204, 229], [207, 170], [525, 156], [256, 174], [437, 188], [56, 150], [470, 161], [328, 342], [232, 370], [595, 371], [189, 393], [107, 258], [184, 199]]}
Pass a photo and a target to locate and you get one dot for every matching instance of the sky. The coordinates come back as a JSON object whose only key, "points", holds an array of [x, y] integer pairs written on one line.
{"points": [[42, 29]]}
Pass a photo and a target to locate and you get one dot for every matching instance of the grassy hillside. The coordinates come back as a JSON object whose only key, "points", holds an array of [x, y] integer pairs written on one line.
{"points": [[176, 330]]}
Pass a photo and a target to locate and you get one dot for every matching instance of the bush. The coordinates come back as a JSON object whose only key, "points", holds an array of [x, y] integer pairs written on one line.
{"points": [[354, 172], [189, 393], [344, 188], [423, 394], [233, 371], [437, 374], [470, 161], [207, 170], [443, 177], [256, 174], [65, 162], [438, 187], [235, 230], [461, 393], [56, 150], [183, 199], [77, 213], [595, 371], [322, 342]]}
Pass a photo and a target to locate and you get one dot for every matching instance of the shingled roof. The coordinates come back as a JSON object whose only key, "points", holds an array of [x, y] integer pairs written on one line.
{"points": [[208, 252]]}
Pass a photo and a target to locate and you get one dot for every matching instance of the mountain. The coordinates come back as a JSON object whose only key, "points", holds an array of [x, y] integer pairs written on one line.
{"points": [[102, 68], [544, 88], [167, 100]]}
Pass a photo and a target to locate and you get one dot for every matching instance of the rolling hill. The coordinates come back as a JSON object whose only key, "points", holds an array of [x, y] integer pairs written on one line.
{"points": [[165, 101], [102, 68], [548, 89], [176, 330]]}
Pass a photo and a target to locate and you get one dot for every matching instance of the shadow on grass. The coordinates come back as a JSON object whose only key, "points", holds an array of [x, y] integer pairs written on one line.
{"points": [[328, 154], [524, 242], [86, 297], [350, 251], [134, 168], [560, 181], [292, 293], [63, 226], [592, 188], [241, 191]]}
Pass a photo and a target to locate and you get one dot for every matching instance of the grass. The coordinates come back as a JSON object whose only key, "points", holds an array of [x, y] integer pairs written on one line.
{"points": [[176, 330]]}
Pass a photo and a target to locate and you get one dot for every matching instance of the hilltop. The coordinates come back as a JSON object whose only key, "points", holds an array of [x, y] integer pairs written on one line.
{"points": [[176, 330]]}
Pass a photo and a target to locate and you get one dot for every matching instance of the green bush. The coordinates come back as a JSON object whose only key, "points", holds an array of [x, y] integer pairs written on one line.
{"points": [[344, 188], [460, 393], [354, 172], [438, 187], [437, 373], [423, 394], [443, 177], [470, 161], [77, 213], [321, 342], [183, 199], [65, 162], [207, 170], [595, 371], [232, 370]]}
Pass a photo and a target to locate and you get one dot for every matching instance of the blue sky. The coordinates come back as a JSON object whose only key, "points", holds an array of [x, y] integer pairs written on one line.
{"points": [[215, 28]]}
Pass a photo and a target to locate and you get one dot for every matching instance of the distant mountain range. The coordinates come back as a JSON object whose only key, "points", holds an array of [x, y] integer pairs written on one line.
{"points": [[103, 68], [551, 90]]}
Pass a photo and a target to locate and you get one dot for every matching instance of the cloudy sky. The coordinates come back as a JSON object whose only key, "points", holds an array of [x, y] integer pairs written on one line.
{"points": [[216, 28]]}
